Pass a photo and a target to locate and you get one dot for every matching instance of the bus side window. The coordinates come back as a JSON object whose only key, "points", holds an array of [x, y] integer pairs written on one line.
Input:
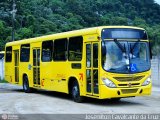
{"points": [[8, 54], [25, 53], [47, 51], [88, 55], [60, 50], [75, 49]]}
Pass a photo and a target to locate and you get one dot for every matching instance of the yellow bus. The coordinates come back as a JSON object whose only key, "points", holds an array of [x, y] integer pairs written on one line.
{"points": [[107, 62]]}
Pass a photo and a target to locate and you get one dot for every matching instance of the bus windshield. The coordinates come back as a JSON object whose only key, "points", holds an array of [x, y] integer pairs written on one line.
{"points": [[125, 57]]}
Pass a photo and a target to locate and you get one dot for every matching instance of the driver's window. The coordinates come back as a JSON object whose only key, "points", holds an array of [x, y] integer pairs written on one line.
{"points": [[143, 51]]}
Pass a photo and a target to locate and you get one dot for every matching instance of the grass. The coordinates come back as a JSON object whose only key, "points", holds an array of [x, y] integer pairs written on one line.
{"points": [[3, 81]]}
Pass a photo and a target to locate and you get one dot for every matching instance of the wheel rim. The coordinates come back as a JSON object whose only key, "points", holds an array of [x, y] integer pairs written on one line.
{"points": [[25, 85], [75, 92]]}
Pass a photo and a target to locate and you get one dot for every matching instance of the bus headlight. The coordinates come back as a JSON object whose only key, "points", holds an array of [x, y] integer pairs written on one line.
{"points": [[147, 81], [108, 83]]}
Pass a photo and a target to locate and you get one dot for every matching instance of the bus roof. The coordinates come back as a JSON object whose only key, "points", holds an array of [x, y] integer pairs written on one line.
{"points": [[73, 33]]}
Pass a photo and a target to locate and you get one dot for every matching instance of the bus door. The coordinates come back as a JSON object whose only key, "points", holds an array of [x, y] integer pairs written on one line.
{"points": [[92, 84], [16, 65], [36, 66]]}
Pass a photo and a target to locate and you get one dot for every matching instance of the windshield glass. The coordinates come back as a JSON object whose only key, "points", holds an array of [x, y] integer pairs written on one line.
{"points": [[125, 57]]}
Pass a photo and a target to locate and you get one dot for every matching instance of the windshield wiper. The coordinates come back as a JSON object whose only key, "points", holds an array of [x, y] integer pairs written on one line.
{"points": [[120, 46], [135, 44]]}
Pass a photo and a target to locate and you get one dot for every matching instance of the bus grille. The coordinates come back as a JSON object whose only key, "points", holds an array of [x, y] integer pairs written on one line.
{"points": [[126, 85], [126, 79], [127, 91]]}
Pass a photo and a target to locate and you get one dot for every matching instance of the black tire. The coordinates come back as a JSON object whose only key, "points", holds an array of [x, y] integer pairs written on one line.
{"points": [[26, 87], [76, 93]]}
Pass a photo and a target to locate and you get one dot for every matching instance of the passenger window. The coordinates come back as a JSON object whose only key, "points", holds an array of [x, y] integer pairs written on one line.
{"points": [[75, 49], [8, 54], [47, 50], [60, 50], [25, 53]]}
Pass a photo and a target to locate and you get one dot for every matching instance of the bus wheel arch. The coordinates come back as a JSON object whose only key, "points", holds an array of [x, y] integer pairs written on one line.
{"points": [[74, 89]]}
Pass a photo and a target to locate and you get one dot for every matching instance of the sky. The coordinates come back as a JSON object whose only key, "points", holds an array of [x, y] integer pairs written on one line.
{"points": [[158, 1]]}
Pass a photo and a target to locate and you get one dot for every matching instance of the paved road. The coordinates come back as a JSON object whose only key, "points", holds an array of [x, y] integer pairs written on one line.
{"points": [[14, 101]]}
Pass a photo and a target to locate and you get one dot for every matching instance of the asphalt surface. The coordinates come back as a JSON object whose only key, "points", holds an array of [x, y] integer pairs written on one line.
{"points": [[14, 101]]}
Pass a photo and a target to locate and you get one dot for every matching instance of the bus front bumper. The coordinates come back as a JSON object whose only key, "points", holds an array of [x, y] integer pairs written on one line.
{"points": [[107, 92]]}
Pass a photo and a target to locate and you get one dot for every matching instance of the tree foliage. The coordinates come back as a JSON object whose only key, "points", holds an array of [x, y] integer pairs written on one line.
{"points": [[41, 17]]}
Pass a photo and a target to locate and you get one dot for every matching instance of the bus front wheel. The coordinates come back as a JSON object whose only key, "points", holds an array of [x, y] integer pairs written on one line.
{"points": [[76, 93], [26, 87]]}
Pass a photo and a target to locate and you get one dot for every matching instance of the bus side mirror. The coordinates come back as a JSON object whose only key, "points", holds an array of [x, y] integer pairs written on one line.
{"points": [[103, 50], [150, 50]]}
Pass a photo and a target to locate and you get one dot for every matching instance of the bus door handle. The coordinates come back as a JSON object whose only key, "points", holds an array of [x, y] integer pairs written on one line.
{"points": [[29, 67]]}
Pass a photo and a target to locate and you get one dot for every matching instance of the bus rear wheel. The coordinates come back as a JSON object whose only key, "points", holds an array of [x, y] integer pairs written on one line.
{"points": [[26, 87], [76, 93]]}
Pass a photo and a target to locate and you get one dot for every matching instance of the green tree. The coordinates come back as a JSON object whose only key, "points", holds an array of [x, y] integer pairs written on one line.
{"points": [[24, 33]]}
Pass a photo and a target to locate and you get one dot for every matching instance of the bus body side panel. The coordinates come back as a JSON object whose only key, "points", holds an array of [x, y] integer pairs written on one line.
{"points": [[54, 76], [9, 73]]}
